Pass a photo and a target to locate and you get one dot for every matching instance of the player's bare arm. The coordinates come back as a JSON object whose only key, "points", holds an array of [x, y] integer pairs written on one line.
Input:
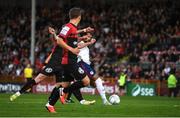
{"points": [[86, 30], [86, 37], [62, 43], [82, 45]]}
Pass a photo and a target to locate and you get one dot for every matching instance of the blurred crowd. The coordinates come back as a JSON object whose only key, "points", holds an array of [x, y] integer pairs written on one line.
{"points": [[140, 38]]}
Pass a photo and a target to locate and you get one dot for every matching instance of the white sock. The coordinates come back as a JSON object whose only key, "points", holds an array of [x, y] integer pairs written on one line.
{"points": [[47, 104], [18, 93], [101, 89]]}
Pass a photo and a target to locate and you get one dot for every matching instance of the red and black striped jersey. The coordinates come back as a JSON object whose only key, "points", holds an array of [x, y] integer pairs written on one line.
{"points": [[69, 34]]}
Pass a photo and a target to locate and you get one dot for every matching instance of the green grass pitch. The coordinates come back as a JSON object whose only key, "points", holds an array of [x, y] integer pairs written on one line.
{"points": [[32, 105]]}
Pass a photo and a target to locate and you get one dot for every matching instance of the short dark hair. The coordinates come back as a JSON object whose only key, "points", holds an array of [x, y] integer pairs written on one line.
{"points": [[74, 12]]}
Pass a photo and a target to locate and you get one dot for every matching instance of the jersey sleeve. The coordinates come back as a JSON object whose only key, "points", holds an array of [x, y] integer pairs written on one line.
{"points": [[65, 31]]}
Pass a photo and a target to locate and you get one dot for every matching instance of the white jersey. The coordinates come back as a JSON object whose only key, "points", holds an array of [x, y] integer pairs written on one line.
{"points": [[84, 54]]}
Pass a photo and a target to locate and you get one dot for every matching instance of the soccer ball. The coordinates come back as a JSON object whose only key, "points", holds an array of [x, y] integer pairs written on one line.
{"points": [[114, 99]]}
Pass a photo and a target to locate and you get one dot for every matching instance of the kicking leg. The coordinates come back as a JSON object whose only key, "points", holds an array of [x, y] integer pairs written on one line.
{"points": [[101, 91], [28, 85]]}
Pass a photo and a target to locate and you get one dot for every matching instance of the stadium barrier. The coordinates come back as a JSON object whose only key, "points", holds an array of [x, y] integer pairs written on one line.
{"points": [[11, 84], [136, 89]]}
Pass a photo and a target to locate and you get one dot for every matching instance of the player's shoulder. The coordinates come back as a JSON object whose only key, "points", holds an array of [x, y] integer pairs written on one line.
{"points": [[68, 26], [65, 29]]}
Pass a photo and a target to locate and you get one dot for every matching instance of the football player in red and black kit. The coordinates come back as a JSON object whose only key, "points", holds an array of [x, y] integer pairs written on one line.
{"points": [[71, 69], [64, 52], [53, 67]]}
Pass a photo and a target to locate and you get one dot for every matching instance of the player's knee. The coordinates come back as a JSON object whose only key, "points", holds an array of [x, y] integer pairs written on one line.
{"points": [[58, 84], [86, 81], [39, 78], [63, 84]]}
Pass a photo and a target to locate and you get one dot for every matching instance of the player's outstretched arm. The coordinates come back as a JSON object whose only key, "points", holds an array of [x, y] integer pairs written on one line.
{"points": [[86, 30], [82, 45], [86, 37], [62, 43]]}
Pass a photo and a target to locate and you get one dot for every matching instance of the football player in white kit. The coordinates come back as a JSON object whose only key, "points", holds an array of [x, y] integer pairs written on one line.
{"points": [[85, 64]]}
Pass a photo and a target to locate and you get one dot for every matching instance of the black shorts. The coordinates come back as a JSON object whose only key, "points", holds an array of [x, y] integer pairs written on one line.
{"points": [[66, 77], [73, 71], [51, 69]]}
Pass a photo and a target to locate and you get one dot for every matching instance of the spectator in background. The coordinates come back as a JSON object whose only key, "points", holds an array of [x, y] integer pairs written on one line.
{"points": [[28, 74], [172, 84], [135, 33], [122, 82]]}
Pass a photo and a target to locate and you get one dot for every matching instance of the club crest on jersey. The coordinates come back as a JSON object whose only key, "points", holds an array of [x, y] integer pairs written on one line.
{"points": [[48, 70], [80, 70]]}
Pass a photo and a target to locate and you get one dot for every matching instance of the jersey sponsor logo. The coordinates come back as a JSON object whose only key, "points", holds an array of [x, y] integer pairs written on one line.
{"points": [[48, 70], [80, 70], [64, 30]]}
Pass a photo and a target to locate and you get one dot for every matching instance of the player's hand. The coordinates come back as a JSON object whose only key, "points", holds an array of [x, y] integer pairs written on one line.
{"points": [[86, 37], [88, 30], [51, 30], [75, 51], [93, 41]]}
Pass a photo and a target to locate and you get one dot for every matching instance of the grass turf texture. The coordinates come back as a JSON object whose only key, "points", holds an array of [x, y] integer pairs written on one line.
{"points": [[32, 105]]}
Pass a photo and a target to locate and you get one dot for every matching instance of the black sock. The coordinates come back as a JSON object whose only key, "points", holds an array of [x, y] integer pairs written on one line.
{"points": [[69, 96], [78, 95], [27, 86], [54, 96], [75, 86]]}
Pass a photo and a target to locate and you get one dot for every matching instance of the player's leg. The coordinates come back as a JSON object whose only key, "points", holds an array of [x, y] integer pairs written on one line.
{"points": [[77, 85], [69, 76], [101, 90], [69, 100], [79, 74], [77, 92], [45, 72], [62, 80], [78, 95], [53, 98], [28, 85], [98, 82]]}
